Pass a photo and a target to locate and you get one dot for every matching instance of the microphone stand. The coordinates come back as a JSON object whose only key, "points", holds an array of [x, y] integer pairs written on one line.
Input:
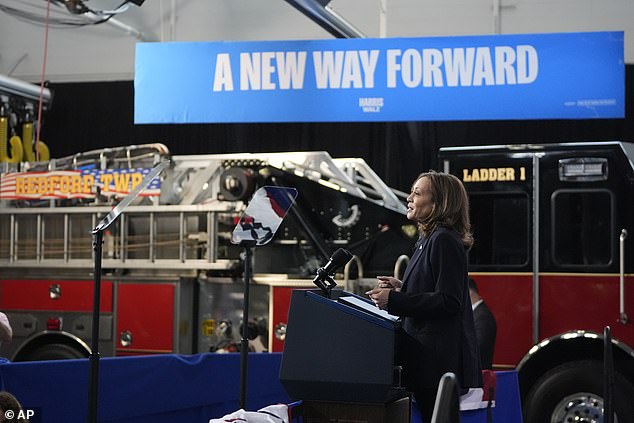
{"points": [[244, 343], [93, 357], [98, 231], [325, 282], [260, 215]]}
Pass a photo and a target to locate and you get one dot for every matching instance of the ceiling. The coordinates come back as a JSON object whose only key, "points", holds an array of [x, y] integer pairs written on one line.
{"points": [[90, 47]]}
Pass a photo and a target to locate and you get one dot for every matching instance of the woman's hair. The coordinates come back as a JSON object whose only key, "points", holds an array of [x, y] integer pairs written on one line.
{"points": [[451, 206]]}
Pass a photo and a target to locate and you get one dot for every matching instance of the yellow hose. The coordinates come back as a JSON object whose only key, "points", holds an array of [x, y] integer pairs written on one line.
{"points": [[15, 141], [43, 151], [27, 141], [17, 153], [42, 148], [4, 126]]}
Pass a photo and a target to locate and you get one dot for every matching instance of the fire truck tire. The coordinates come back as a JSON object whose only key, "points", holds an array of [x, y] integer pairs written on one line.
{"points": [[575, 389], [53, 352]]}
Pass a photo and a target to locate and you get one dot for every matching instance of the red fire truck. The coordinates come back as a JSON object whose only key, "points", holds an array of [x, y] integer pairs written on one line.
{"points": [[553, 260], [172, 281], [552, 256]]}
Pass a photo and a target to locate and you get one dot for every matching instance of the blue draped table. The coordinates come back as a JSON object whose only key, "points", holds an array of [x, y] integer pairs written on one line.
{"points": [[175, 388]]}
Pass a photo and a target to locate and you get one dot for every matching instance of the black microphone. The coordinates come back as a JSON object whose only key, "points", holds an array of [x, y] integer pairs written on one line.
{"points": [[338, 259]]}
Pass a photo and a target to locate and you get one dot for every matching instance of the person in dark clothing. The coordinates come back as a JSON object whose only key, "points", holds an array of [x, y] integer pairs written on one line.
{"points": [[485, 326], [433, 298]]}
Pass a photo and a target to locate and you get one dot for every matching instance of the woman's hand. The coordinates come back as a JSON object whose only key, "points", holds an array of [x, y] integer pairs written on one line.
{"points": [[381, 293], [379, 296], [389, 282]]}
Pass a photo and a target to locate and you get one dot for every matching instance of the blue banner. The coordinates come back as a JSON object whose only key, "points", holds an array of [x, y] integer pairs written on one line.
{"points": [[538, 76]]}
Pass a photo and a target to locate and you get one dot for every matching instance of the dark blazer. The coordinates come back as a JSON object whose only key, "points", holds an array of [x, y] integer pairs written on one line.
{"points": [[486, 329], [437, 316]]}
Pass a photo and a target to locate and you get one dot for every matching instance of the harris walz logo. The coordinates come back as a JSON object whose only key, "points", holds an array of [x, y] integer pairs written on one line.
{"points": [[371, 104]]}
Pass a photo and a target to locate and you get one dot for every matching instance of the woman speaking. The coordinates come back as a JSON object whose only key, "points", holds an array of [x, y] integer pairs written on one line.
{"points": [[433, 297]]}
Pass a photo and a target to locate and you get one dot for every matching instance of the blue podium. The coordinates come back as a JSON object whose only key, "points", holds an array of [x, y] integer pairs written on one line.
{"points": [[340, 349]]}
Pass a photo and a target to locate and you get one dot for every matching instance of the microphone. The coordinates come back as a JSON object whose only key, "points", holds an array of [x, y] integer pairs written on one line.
{"points": [[324, 278]]}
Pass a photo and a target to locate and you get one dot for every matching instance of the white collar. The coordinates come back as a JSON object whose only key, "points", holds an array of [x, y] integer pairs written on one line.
{"points": [[477, 303]]}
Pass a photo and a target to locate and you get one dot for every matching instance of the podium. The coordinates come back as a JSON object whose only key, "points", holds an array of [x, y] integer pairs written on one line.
{"points": [[340, 354]]}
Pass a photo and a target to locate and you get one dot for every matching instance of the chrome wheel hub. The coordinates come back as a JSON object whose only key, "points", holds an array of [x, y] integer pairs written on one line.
{"points": [[580, 407]]}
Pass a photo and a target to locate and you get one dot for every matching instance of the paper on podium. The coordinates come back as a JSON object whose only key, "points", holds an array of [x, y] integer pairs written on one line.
{"points": [[367, 306]]}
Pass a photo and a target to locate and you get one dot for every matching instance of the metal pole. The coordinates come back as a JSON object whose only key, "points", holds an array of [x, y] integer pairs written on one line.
{"points": [[536, 247], [623, 319], [98, 232], [382, 18], [94, 351], [244, 345], [608, 376]]}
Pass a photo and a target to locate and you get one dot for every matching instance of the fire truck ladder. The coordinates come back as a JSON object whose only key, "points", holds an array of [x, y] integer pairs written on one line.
{"points": [[153, 237], [351, 175], [177, 237]]}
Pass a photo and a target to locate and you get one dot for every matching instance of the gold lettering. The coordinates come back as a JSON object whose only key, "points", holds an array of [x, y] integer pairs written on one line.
{"points": [[501, 174], [20, 186], [30, 186], [37, 183], [106, 179], [54, 183], [41, 184], [491, 174], [522, 173], [75, 184], [64, 184], [121, 182], [136, 180], [89, 181]]}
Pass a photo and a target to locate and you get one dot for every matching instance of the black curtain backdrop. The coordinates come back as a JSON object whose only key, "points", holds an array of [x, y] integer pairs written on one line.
{"points": [[87, 116]]}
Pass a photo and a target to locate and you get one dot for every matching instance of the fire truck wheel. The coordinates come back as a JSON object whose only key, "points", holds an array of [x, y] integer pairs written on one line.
{"points": [[574, 392], [53, 352]]}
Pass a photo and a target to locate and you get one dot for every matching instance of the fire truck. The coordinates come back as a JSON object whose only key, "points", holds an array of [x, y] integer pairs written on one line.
{"points": [[172, 280], [553, 260]]}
